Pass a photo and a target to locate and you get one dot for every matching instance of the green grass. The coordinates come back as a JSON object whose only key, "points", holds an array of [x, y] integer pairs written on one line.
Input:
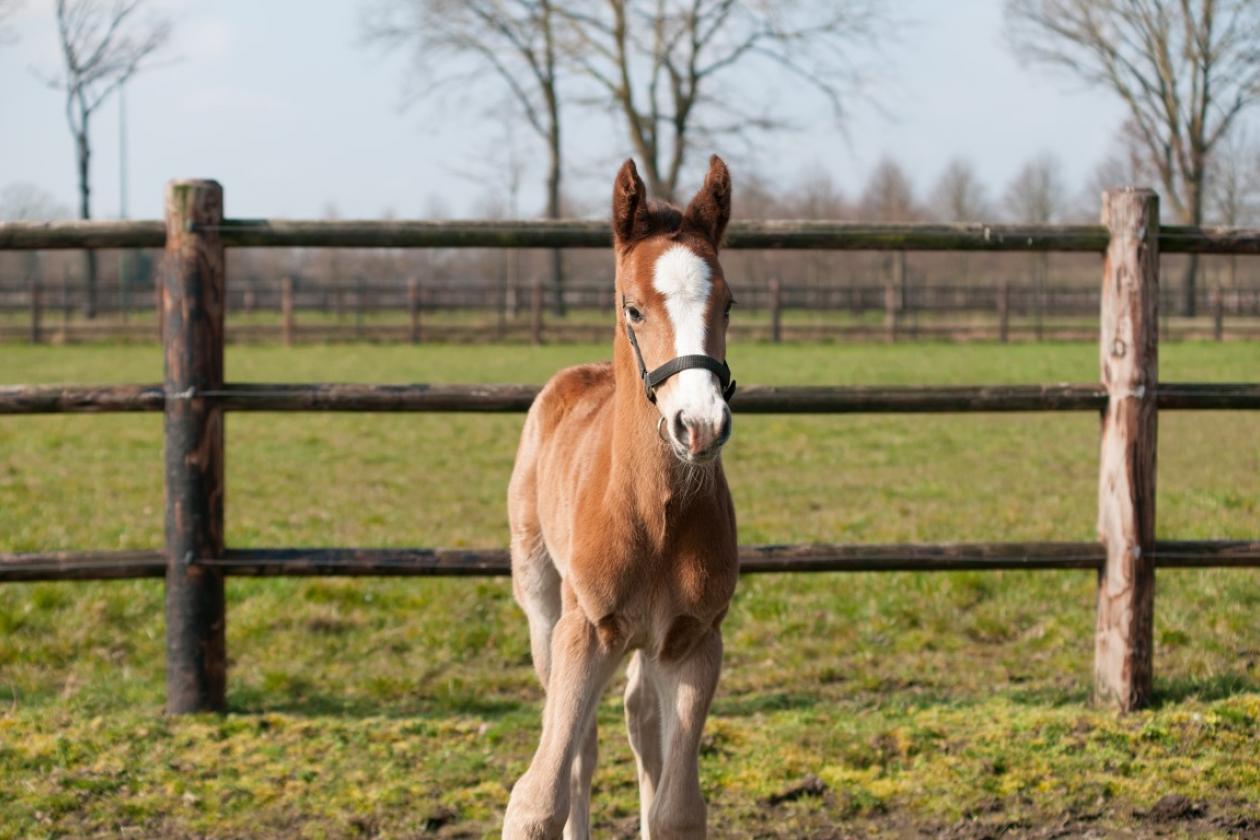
{"points": [[397, 707]]}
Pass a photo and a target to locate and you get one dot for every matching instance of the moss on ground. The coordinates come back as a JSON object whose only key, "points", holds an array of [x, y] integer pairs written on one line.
{"points": [[951, 704]]}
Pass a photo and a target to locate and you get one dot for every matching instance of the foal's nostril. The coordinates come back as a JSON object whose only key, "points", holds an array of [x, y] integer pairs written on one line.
{"points": [[725, 433], [680, 428]]}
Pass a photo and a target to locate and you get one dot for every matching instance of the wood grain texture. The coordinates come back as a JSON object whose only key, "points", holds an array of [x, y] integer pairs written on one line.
{"points": [[1129, 361], [193, 279], [754, 559], [786, 234], [750, 399]]}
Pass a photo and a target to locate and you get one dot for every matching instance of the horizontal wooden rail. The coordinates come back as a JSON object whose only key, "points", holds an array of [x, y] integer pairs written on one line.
{"points": [[753, 399], [577, 233], [754, 559]]}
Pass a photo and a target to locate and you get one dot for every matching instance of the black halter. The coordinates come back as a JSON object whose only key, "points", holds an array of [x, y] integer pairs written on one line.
{"points": [[653, 379]]}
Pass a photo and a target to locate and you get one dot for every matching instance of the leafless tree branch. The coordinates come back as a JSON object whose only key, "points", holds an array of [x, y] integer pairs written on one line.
{"points": [[1184, 69], [668, 64]]}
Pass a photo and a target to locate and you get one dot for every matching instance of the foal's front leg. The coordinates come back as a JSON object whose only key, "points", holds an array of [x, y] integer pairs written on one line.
{"points": [[686, 688], [580, 668]]}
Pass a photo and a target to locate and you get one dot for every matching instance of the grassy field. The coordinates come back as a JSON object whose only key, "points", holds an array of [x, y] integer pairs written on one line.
{"points": [[946, 703]]}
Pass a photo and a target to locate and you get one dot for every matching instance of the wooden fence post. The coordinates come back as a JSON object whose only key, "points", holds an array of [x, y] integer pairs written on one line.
{"points": [[1129, 357], [776, 310], [1004, 310], [159, 307], [890, 312], [286, 310], [900, 278], [37, 307], [535, 310], [196, 661], [360, 305], [413, 306], [1218, 313]]}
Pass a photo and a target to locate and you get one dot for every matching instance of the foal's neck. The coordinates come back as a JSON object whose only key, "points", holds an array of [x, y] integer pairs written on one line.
{"points": [[645, 474]]}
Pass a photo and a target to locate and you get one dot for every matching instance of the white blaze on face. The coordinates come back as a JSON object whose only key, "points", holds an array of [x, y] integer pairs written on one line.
{"points": [[684, 279]]}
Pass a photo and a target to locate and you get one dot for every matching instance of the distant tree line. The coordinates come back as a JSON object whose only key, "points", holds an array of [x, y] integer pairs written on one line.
{"points": [[680, 76]]}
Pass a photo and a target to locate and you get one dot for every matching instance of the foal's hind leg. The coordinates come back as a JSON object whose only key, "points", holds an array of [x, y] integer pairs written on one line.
{"points": [[535, 581], [536, 585]]}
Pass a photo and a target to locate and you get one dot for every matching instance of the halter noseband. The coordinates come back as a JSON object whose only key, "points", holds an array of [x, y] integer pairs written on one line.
{"points": [[654, 379]]}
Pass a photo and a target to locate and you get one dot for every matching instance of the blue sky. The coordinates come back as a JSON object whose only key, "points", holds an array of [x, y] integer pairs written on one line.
{"points": [[281, 103]]}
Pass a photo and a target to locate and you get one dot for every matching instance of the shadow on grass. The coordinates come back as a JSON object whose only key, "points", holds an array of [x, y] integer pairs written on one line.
{"points": [[1166, 692], [1203, 689], [255, 701]]}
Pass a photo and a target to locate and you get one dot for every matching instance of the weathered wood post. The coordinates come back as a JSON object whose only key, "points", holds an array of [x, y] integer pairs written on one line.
{"points": [[776, 310], [286, 310], [196, 662], [1129, 356], [1004, 310], [890, 312], [159, 308], [37, 307], [360, 305], [535, 310], [413, 308], [1218, 313]]}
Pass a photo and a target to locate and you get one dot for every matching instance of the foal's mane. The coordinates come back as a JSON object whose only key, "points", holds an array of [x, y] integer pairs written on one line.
{"points": [[656, 217], [662, 217]]}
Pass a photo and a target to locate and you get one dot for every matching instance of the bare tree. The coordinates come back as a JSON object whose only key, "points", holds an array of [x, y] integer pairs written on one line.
{"points": [[1185, 70], [662, 64], [889, 195], [1234, 192], [102, 46], [24, 201], [1038, 196], [1233, 183], [8, 8], [959, 194], [514, 40]]}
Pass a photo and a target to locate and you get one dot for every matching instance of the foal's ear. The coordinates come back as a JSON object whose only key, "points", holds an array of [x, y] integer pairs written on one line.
{"points": [[630, 219], [710, 210]]}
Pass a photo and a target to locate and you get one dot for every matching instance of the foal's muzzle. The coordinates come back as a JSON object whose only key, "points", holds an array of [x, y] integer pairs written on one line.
{"points": [[699, 440]]}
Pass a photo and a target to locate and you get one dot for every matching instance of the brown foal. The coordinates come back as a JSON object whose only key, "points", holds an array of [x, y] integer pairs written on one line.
{"points": [[623, 529]]}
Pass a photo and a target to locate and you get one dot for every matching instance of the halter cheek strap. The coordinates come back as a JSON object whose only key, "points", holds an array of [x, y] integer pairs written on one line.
{"points": [[655, 378]]}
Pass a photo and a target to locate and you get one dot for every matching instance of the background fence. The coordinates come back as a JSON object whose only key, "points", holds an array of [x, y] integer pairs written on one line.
{"points": [[194, 397], [300, 308]]}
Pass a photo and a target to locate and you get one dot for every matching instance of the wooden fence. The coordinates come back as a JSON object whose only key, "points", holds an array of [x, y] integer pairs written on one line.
{"points": [[194, 397], [296, 308]]}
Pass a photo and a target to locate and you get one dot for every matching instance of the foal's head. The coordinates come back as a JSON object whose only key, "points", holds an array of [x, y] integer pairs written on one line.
{"points": [[674, 300]]}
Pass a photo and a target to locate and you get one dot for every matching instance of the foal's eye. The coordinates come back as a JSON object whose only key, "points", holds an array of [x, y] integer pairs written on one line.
{"points": [[633, 313]]}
